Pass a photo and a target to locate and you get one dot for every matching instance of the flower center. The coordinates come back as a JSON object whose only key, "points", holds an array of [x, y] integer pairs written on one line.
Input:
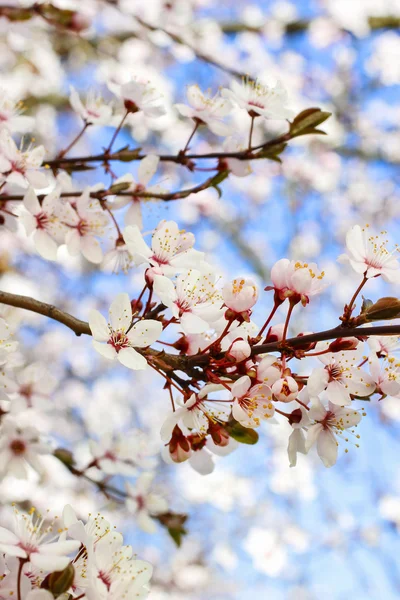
{"points": [[118, 341]]}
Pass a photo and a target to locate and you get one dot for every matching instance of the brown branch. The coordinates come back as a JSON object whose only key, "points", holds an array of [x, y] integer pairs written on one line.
{"points": [[48, 310], [186, 363]]}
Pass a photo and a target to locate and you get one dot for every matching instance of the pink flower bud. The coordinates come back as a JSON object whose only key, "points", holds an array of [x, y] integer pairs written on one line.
{"points": [[239, 350], [275, 333], [240, 295], [285, 389]]}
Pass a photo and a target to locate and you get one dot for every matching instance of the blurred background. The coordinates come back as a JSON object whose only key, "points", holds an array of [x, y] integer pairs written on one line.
{"points": [[256, 528]]}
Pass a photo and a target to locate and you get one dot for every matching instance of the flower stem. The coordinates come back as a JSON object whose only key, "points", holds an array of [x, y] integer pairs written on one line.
{"points": [[191, 137], [74, 141], [267, 322], [349, 307], [116, 132], [251, 132]]}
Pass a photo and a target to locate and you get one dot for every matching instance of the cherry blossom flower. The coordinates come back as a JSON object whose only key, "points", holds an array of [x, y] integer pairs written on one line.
{"points": [[171, 250], [118, 259], [268, 370], [296, 280], [113, 340], [239, 349], [206, 110], [6, 344], [139, 96], [20, 447], [21, 167], [384, 345], [340, 377], [240, 295], [252, 404], [10, 115], [285, 389], [31, 388], [123, 454], [41, 220], [86, 221], [329, 422], [112, 572], [9, 214], [31, 540], [368, 255], [297, 439], [193, 300], [143, 503], [94, 111], [238, 168], [386, 375], [196, 413], [259, 99], [147, 169]]}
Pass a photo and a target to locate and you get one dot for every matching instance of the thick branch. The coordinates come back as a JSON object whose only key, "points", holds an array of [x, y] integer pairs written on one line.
{"points": [[186, 363], [48, 310]]}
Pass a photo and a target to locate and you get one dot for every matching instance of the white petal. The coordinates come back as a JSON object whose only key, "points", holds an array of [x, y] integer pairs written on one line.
{"points": [[120, 312], [106, 350], [327, 447], [147, 168], [45, 245], [132, 359], [145, 333], [98, 326]]}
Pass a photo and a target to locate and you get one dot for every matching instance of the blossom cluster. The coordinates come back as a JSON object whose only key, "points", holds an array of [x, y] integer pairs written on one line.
{"points": [[43, 559]]}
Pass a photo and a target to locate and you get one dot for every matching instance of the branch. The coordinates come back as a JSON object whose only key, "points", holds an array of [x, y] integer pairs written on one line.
{"points": [[186, 363], [329, 334], [48, 310]]}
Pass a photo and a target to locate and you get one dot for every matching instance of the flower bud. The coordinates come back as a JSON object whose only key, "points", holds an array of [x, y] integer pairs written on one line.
{"points": [[285, 389], [275, 333], [240, 295], [343, 344], [239, 350], [383, 309], [179, 446]]}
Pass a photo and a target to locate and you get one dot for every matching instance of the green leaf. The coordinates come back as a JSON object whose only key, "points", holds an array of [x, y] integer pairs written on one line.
{"points": [[307, 121], [174, 523], [241, 434]]}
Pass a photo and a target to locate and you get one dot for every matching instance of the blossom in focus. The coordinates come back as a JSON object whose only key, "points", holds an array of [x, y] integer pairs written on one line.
{"points": [[285, 389], [297, 439], [94, 111], [147, 169], [368, 255], [329, 423], [196, 413], [86, 221], [259, 99], [268, 370], [171, 250], [139, 96], [143, 503], [206, 110], [193, 300], [296, 280], [240, 295], [113, 340], [41, 220], [252, 404], [20, 447], [32, 541], [386, 375], [10, 115], [340, 377], [21, 167]]}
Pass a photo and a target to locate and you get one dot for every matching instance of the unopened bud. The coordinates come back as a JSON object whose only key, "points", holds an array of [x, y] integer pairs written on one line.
{"points": [[343, 344], [239, 350], [65, 456]]}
